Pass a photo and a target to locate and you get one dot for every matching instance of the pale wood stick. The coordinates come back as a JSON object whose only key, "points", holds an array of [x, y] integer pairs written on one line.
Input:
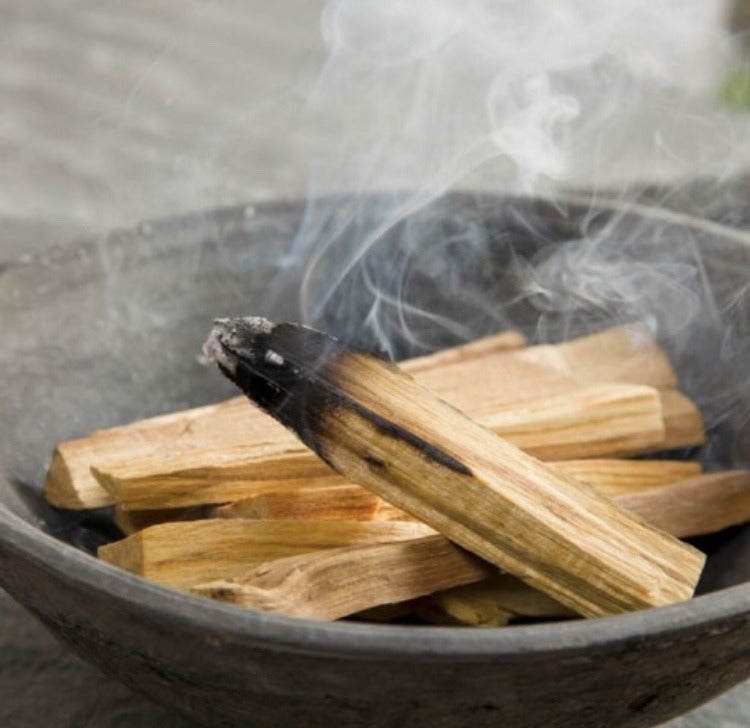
{"points": [[182, 554], [349, 501], [337, 582], [376, 425], [612, 477], [487, 346], [483, 381], [491, 602], [683, 423], [600, 420], [690, 507], [695, 506], [624, 354], [597, 420]]}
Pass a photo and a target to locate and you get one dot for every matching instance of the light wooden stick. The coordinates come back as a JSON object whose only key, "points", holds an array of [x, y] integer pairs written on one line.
{"points": [[613, 477], [695, 506], [477, 380], [130, 522], [492, 602], [337, 582], [602, 419], [374, 424], [347, 501], [182, 554]]}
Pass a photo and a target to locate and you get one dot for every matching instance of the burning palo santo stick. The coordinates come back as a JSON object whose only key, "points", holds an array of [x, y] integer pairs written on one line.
{"points": [[337, 582], [185, 553], [602, 419], [373, 423], [476, 377]]}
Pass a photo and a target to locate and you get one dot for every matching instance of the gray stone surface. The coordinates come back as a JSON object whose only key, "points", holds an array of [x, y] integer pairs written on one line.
{"points": [[111, 114]]}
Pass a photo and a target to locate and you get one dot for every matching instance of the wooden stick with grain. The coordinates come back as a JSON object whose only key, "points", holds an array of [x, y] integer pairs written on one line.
{"points": [[185, 553], [603, 419], [375, 425]]}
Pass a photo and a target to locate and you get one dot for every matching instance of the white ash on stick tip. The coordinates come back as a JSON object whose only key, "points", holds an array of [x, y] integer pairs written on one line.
{"points": [[232, 336]]}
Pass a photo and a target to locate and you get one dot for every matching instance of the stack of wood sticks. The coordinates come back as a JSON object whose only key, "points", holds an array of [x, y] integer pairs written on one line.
{"points": [[479, 485]]}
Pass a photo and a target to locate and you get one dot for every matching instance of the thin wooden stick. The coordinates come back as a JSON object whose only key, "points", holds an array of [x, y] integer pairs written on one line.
{"points": [[337, 582], [348, 501], [696, 506], [376, 425], [492, 602], [602, 419], [182, 554], [612, 477]]}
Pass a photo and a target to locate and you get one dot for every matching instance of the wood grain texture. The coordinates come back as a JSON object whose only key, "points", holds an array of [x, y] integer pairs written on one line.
{"points": [[183, 554], [337, 582]]}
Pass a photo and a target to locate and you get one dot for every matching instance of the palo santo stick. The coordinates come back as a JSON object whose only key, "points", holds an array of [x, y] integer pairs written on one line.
{"points": [[487, 346], [485, 381], [695, 506], [185, 553], [625, 354], [373, 423], [352, 502], [337, 582], [494, 602], [683, 423], [612, 477], [602, 419], [133, 521]]}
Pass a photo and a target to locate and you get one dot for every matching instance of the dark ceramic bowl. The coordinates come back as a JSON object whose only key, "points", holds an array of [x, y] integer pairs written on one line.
{"points": [[104, 332]]}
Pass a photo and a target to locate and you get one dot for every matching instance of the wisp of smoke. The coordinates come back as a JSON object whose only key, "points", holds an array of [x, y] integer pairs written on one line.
{"points": [[418, 100]]}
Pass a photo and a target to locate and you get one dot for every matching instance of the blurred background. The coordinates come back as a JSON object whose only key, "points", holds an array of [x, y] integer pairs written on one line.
{"points": [[112, 114]]}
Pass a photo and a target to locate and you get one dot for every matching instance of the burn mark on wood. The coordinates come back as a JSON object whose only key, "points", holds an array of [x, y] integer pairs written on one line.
{"points": [[388, 428], [290, 371], [373, 462]]}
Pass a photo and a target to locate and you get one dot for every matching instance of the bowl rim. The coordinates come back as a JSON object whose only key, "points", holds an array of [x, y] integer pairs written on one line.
{"points": [[353, 640]]}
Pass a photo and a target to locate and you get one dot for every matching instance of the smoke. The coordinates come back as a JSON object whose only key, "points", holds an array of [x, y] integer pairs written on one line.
{"points": [[419, 100]]}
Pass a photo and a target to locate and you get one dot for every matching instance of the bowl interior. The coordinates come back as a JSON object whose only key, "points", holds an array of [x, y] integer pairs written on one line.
{"points": [[108, 331]]}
